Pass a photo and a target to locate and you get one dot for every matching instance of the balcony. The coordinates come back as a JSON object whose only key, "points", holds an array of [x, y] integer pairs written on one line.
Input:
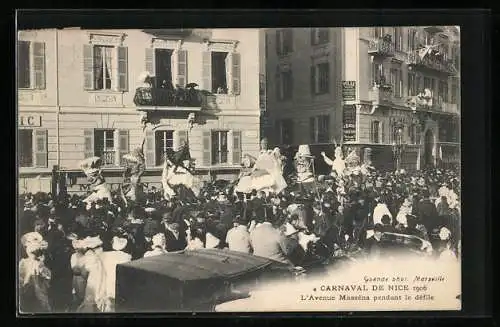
{"points": [[164, 99], [434, 29], [381, 47], [381, 95], [108, 157], [429, 61]]}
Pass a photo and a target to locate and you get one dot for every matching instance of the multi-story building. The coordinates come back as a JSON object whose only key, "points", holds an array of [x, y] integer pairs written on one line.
{"points": [[77, 99], [391, 89]]}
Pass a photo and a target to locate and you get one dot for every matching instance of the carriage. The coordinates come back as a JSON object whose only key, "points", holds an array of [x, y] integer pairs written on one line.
{"points": [[195, 280]]}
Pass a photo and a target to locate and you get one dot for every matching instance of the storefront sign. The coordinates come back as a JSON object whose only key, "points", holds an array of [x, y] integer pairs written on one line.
{"points": [[349, 123], [349, 90], [262, 93], [30, 121]]}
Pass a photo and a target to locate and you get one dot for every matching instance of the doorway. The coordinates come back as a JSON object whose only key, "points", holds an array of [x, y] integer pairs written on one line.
{"points": [[163, 63], [428, 149]]}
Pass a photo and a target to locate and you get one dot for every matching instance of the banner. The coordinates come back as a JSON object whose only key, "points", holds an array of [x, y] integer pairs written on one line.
{"points": [[348, 90], [349, 123]]}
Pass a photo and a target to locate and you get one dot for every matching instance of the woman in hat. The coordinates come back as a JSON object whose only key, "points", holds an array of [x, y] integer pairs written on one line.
{"points": [[34, 276], [79, 272], [111, 259], [95, 299]]}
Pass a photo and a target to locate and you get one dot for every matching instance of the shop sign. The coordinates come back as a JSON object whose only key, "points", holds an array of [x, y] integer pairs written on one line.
{"points": [[30, 121], [348, 90], [349, 123]]}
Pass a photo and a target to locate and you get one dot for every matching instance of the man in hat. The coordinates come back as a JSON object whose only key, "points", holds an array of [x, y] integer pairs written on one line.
{"points": [[238, 237], [175, 236], [269, 242]]}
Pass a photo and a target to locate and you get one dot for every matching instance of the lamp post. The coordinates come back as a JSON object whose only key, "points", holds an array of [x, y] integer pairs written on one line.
{"points": [[398, 146]]}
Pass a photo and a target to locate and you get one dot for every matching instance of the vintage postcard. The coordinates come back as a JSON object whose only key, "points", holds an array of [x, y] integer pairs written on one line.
{"points": [[247, 170]]}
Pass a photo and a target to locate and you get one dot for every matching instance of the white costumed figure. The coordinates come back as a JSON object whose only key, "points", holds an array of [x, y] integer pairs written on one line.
{"points": [[266, 174], [177, 169], [353, 164], [303, 164], [100, 190], [338, 163]]}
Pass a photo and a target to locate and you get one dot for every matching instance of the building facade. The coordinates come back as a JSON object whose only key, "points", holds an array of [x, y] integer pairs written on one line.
{"points": [[77, 99], [395, 90]]}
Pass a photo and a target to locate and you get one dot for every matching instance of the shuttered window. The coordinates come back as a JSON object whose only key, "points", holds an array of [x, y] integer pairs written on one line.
{"points": [[108, 144], [236, 160], [320, 78], [99, 68], [123, 145], [31, 65], [320, 36], [284, 42], [374, 131], [182, 61], [163, 140], [25, 147], [33, 148]]}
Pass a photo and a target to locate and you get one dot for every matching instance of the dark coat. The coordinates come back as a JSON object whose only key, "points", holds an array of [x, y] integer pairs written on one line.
{"points": [[427, 213], [173, 243]]}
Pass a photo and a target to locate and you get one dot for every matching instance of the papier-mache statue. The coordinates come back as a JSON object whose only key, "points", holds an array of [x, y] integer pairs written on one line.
{"points": [[262, 174], [303, 164], [353, 163], [135, 167], [338, 163], [367, 166], [92, 168]]}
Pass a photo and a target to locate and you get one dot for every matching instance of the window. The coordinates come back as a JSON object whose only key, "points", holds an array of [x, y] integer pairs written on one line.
{"points": [[285, 131], [412, 134], [443, 91], [412, 87], [105, 68], [427, 83], [320, 78], [104, 146], [375, 137], [319, 36], [398, 39], [378, 74], [163, 140], [219, 147], [219, 72], [31, 65], [418, 84], [284, 85], [396, 81], [378, 32], [320, 129], [454, 91], [284, 42], [412, 34], [32, 148]]}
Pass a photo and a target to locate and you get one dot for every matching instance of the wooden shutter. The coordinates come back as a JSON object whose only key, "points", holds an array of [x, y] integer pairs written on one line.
{"points": [[39, 64], [123, 144], [182, 68], [236, 73], [182, 137], [313, 80], [236, 147], [88, 67], [207, 148], [88, 146], [311, 130], [372, 132], [313, 34], [150, 149], [206, 71], [278, 42], [122, 69], [150, 61], [40, 148]]}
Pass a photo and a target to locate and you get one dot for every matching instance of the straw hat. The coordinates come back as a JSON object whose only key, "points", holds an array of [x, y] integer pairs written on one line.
{"points": [[158, 240], [119, 243], [33, 242]]}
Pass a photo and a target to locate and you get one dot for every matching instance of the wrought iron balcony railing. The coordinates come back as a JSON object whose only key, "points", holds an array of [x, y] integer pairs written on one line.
{"points": [[381, 46], [381, 93], [108, 157], [431, 62], [164, 97]]}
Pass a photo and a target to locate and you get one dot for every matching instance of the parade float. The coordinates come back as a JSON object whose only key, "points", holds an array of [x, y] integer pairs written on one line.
{"points": [[92, 168], [131, 187], [304, 165], [263, 174], [338, 162]]}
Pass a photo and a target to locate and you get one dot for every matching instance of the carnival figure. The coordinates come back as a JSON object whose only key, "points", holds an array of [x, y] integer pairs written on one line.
{"points": [[304, 164], [367, 166], [353, 163], [338, 163], [92, 169], [135, 166]]}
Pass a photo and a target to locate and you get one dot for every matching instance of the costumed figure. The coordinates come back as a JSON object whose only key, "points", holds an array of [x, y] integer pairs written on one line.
{"points": [[265, 175], [367, 167], [304, 165], [100, 190], [337, 164], [353, 162], [135, 166], [178, 167]]}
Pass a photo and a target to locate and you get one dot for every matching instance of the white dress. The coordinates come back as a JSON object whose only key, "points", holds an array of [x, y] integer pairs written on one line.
{"points": [[110, 260]]}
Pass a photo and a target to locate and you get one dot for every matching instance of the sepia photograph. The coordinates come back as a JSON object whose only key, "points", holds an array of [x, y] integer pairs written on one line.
{"points": [[238, 169]]}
